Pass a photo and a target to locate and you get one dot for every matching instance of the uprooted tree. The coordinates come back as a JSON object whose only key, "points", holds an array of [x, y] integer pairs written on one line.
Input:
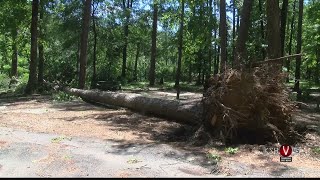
{"points": [[245, 104], [250, 106]]}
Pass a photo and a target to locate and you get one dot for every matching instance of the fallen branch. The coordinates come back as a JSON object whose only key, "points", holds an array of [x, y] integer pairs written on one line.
{"points": [[276, 60]]}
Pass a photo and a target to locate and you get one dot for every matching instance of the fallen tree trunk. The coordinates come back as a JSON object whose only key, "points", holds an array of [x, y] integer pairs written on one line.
{"points": [[185, 112]]}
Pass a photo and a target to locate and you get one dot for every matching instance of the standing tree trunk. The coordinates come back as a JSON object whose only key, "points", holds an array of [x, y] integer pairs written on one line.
{"points": [[263, 51], [317, 64], [291, 37], [95, 35], [78, 58], [210, 37], [32, 81], [127, 11], [190, 72], [299, 44], [41, 42], [243, 32], [216, 70], [152, 72], [216, 50], [177, 84], [233, 31], [14, 63], [223, 35], [135, 76], [284, 11], [273, 30], [84, 43]]}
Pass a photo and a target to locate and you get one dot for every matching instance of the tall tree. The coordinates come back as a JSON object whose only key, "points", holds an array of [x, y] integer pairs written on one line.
{"points": [[216, 47], [84, 43], [299, 44], [284, 11], [291, 36], [177, 84], [152, 71], [32, 81], [127, 6], [95, 35], [14, 63], [135, 75], [223, 35], [233, 30], [273, 30], [209, 40], [243, 32], [41, 43], [263, 51]]}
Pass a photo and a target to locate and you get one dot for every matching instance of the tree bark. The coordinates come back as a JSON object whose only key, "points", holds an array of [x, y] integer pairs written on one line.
{"points": [[84, 43], [152, 72], [273, 30], [216, 70], [126, 9], [135, 76], [223, 35], [284, 11], [291, 37], [216, 51], [210, 37], [32, 81], [299, 44], [186, 112], [317, 64], [14, 63], [190, 72], [177, 83], [40, 44], [95, 35], [243, 32], [263, 51], [233, 31]]}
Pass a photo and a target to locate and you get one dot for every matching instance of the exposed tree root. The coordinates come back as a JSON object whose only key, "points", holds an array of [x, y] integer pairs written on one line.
{"points": [[249, 107]]}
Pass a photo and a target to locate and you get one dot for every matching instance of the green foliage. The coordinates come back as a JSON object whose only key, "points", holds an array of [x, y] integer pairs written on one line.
{"points": [[231, 150], [22, 83], [316, 150], [213, 157], [62, 30], [4, 82], [62, 96]]}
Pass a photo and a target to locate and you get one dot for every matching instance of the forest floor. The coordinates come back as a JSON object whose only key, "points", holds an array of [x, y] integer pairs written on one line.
{"points": [[43, 138]]}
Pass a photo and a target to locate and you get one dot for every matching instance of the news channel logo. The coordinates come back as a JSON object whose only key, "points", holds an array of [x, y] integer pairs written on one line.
{"points": [[286, 151]]}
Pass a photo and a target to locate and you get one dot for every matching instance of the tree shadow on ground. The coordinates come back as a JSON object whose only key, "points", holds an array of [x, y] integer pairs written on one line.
{"points": [[156, 131], [8, 100]]}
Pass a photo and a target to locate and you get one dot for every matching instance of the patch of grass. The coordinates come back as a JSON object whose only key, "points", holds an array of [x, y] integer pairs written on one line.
{"points": [[214, 157], [59, 139], [231, 150], [62, 96], [165, 86], [67, 157], [133, 161], [316, 150]]}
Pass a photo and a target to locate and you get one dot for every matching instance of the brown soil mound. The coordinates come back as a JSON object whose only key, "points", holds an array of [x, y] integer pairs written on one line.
{"points": [[249, 107]]}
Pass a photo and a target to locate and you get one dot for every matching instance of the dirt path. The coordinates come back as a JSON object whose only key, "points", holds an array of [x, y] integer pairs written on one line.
{"points": [[39, 137]]}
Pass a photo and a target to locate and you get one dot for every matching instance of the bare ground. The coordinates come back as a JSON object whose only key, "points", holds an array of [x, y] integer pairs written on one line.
{"points": [[85, 122]]}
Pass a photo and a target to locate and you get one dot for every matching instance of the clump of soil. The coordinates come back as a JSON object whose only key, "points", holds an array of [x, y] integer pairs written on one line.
{"points": [[249, 107]]}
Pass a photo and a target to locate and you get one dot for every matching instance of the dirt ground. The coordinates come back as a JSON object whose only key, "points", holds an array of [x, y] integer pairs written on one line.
{"points": [[82, 121]]}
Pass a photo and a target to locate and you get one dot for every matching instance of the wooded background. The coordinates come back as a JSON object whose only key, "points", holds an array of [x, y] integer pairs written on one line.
{"points": [[155, 41]]}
